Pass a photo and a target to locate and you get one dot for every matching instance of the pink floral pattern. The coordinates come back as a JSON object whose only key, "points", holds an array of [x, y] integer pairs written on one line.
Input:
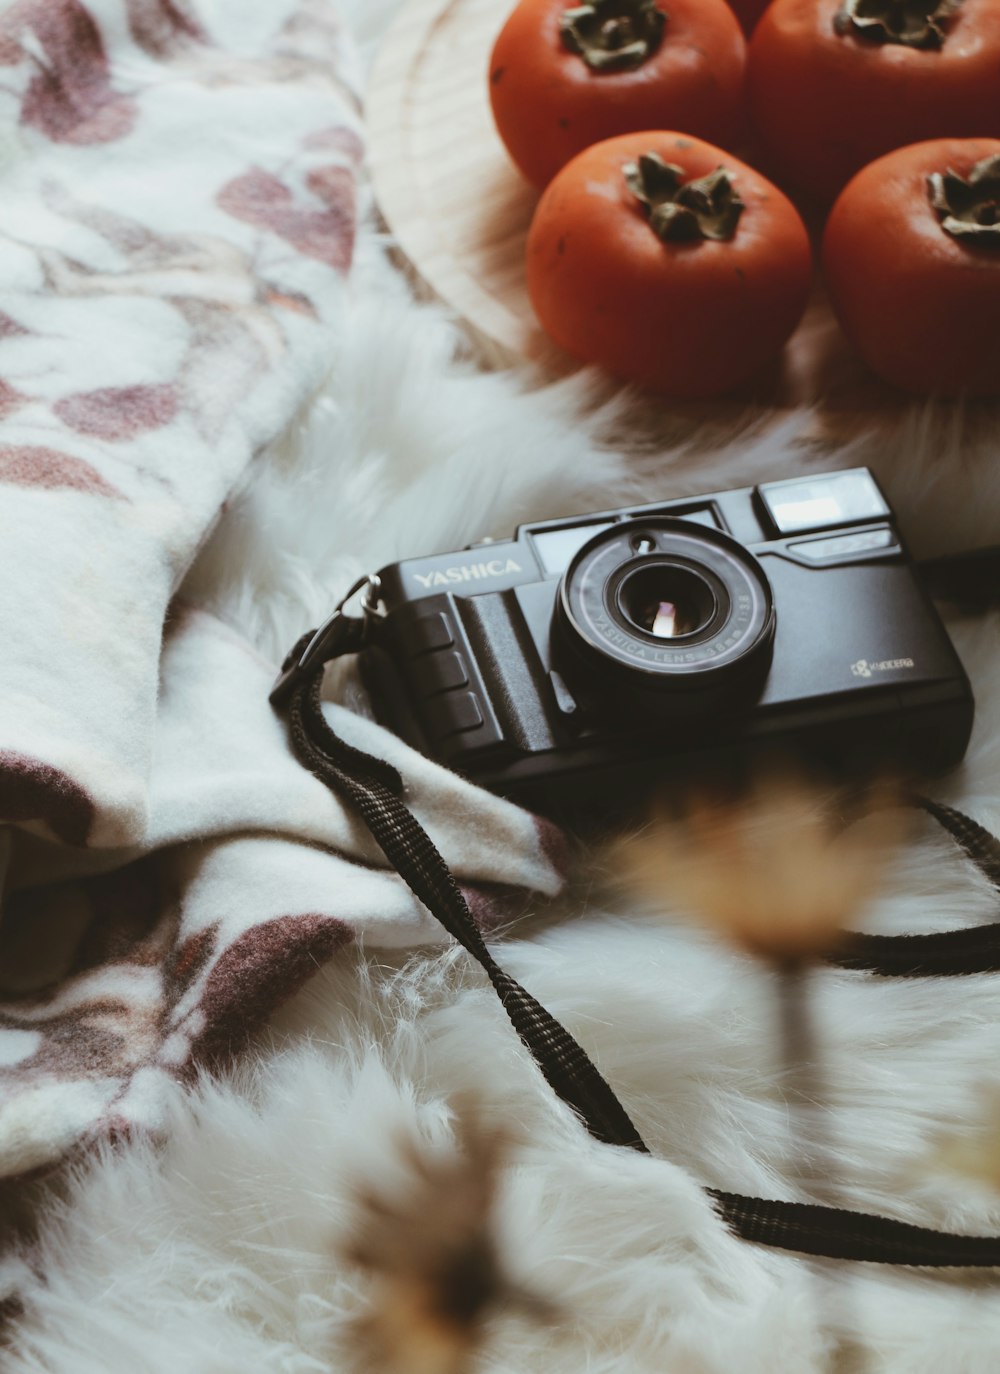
{"points": [[118, 412], [192, 210], [10, 398], [234, 329], [337, 139], [30, 788], [212, 995], [25, 466], [261, 199], [163, 27], [70, 99], [10, 329], [258, 972]]}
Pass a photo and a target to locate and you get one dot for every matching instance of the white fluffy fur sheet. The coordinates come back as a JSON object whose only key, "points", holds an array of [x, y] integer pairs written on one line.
{"points": [[214, 1251]]}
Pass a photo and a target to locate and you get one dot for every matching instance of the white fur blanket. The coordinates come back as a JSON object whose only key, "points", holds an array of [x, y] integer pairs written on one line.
{"points": [[212, 1246]]}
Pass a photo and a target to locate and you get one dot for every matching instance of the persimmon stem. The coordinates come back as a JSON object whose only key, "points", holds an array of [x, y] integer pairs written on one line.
{"points": [[969, 207], [911, 23], [613, 35], [682, 211]]}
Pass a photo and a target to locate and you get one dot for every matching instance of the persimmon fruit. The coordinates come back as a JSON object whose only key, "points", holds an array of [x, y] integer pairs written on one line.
{"points": [[834, 84], [669, 263], [911, 255], [565, 76]]}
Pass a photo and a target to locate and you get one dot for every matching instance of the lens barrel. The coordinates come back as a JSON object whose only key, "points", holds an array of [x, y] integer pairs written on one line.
{"points": [[666, 612]]}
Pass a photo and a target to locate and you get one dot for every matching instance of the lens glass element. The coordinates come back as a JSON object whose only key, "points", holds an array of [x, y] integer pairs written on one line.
{"points": [[664, 606], [667, 601]]}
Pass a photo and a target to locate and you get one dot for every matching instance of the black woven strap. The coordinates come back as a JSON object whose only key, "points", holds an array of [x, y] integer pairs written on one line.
{"points": [[977, 842], [374, 789], [943, 954], [947, 953], [834, 1233]]}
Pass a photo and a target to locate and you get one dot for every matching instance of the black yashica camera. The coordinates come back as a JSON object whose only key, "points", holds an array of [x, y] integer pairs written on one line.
{"points": [[588, 656]]}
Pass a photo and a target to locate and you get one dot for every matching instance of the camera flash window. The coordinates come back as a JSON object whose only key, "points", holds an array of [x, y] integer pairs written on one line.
{"points": [[815, 503]]}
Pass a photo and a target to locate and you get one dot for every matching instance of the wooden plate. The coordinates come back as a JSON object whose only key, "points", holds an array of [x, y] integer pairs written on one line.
{"points": [[456, 206], [460, 211]]}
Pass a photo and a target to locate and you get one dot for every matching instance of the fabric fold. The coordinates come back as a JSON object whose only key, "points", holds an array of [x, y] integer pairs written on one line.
{"points": [[123, 970], [177, 212]]}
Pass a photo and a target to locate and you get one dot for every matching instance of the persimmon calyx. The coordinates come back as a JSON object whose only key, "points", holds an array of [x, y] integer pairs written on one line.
{"points": [[969, 207], [613, 35], [681, 211], [912, 23]]}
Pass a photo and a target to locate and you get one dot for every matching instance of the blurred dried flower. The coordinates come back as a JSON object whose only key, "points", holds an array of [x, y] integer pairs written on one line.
{"points": [[430, 1250], [777, 872], [975, 1154], [780, 872]]}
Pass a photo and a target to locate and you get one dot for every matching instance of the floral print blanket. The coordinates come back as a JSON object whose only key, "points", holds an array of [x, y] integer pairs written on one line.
{"points": [[177, 206]]}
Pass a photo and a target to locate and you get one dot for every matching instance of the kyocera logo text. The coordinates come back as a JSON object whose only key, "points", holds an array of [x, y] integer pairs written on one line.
{"points": [[864, 668]]}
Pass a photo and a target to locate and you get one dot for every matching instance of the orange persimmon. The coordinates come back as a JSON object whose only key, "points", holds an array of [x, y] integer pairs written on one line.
{"points": [[564, 76], [834, 84], [912, 261], [668, 262]]}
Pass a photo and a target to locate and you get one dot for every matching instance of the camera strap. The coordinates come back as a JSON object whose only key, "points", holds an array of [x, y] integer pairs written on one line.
{"points": [[374, 789]]}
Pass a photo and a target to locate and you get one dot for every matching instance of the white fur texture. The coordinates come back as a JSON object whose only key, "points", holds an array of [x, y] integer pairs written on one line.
{"points": [[214, 1252]]}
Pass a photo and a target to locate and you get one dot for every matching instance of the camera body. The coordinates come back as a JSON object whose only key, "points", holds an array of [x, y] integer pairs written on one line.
{"points": [[587, 656]]}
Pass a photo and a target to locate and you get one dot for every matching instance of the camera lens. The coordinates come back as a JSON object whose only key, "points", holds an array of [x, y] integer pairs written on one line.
{"points": [[667, 601], [678, 609]]}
